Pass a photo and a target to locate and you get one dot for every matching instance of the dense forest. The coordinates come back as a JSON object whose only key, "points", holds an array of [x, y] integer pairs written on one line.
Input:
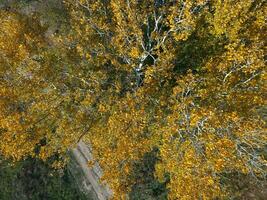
{"points": [[170, 94]]}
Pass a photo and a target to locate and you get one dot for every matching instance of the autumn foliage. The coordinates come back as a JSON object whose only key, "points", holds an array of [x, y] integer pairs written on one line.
{"points": [[185, 77]]}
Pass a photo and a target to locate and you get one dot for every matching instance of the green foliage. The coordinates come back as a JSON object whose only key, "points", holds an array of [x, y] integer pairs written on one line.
{"points": [[146, 187], [32, 179]]}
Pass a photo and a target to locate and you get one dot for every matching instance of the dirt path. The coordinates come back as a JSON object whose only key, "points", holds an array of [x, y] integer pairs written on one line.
{"points": [[82, 154]]}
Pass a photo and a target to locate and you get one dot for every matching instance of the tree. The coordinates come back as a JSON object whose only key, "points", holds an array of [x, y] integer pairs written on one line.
{"points": [[185, 77], [33, 95]]}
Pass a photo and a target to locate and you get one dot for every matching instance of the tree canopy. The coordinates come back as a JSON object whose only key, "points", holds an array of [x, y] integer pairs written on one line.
{"points": [[186, 77]]}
